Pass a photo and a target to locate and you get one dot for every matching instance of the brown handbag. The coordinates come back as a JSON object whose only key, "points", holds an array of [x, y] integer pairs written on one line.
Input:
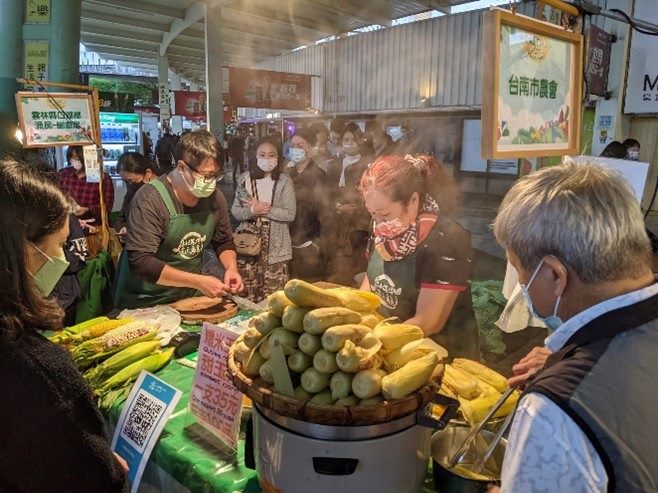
{"points": [[247, 236]]}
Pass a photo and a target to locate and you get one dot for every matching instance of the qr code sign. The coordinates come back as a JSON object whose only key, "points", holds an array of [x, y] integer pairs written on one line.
{"points": [[142, 418]]}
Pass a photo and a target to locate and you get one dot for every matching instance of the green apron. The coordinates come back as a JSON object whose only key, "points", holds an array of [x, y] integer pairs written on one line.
{"points": [[396, 284], [182, 247]]}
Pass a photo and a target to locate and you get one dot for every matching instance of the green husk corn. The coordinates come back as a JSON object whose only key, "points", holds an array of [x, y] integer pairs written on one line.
{"points": [[120, 360], [130, 373]]}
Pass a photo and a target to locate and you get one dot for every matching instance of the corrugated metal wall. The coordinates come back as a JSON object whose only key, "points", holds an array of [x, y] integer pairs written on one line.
{"points": [[433, 63]]}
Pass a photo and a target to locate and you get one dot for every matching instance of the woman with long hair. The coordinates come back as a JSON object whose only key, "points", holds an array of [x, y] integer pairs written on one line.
{"points": [[53, 436], [266, 196]]}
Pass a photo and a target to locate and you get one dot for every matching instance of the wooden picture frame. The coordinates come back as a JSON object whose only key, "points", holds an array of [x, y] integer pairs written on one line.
{"points": [[44, 124], [541, 109]]}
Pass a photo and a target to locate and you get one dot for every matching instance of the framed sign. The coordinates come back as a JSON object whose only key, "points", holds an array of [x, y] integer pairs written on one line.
{"points": [[531, 92], [55, 119]]}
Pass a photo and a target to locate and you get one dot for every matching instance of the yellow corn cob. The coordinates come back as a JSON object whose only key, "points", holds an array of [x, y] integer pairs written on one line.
{"points": [[130, 373], [120, 360], [93, 350], [357, 299], [99, 329], [371, 319], [65, 335], [368, 383], [318, 320], [353, 358], [307, 295], [461, 383], [334, 337], [277, 303], [482, 372], [397, 335], [475, 410], [410, 377]]}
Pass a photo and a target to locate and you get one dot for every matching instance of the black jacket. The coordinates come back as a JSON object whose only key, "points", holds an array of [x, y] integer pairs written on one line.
{"points": [[52, 436]]}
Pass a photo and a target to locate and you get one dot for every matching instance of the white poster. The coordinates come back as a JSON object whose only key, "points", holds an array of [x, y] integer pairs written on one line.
{"points": [[471, 147], [604, 125], [635, 172], [92, 165], [642, 82]]}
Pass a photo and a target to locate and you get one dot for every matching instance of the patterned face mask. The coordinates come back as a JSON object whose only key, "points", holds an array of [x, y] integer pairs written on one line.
{"points": [[390, 229]]}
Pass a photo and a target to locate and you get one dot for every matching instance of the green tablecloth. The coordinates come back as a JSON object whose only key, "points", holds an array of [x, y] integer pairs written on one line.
{"points": [[186, 457]]}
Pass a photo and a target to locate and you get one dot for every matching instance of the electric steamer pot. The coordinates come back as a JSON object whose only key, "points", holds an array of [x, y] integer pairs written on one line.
{"points": [[298, 447]]}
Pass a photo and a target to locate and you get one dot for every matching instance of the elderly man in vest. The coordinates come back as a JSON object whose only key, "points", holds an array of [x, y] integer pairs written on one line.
{"points": [[587, 420]]}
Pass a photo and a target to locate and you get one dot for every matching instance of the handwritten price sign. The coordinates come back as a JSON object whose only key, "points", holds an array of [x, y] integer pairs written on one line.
{"points": [[215, 402]]}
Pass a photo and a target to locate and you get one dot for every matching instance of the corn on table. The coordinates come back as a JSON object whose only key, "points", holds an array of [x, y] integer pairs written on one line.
{"points": [[185, 460]]}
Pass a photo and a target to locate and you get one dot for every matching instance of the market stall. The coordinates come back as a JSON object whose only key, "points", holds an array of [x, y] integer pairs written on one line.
{"points": [[338, 427]]}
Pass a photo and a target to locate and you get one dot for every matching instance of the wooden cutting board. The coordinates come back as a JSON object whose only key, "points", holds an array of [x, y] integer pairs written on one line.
{"points": [[219, 311]]}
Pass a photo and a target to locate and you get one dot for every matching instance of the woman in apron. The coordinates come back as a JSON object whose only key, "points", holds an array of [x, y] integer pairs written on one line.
{"points": [[419, 258], [171, 221]]}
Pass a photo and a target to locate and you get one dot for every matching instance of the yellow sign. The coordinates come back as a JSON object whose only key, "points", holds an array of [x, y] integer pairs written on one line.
{"points": [[36, 60], [37, 11]]}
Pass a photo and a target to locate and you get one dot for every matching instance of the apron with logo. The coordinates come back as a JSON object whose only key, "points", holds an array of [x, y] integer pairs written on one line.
{"points": [[395, 283], [182, 247]]}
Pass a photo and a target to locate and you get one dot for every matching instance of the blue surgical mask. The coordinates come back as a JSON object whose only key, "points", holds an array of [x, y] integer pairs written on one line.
{"points": [[50, 273], [552, 321], [297, 155]]}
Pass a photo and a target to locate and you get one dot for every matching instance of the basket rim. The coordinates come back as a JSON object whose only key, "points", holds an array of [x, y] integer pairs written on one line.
{"points": [[331, 415]]}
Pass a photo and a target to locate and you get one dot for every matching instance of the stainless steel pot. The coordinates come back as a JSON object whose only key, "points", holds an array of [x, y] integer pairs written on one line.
{"points": [[444, 445]]}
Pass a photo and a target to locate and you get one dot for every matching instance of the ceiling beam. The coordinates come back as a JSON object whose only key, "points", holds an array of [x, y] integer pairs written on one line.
{"points": [[193, 14], [141, 6], [443, 6], [100, 49], [299, 14], [121, 33], [130, 44], [277, 29], [118, 20]]}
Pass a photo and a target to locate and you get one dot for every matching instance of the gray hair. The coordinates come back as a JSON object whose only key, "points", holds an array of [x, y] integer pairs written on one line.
{"points": [[585, 215]]}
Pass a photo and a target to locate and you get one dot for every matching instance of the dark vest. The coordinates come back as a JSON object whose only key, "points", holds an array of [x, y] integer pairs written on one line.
{"points": [[606, 379]]}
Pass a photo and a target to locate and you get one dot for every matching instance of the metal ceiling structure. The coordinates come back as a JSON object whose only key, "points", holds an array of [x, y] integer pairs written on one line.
{"points": [[137, 31]]}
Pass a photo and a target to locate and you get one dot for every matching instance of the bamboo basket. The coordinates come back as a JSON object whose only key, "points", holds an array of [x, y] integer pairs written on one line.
{"points": [[387, 411]]}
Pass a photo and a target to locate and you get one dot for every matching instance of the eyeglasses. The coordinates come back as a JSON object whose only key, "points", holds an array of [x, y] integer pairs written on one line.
{"points": [[217, 176]]}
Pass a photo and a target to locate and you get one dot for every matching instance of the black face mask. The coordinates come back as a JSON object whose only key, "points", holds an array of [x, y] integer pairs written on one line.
{"points": [[133, 187]]}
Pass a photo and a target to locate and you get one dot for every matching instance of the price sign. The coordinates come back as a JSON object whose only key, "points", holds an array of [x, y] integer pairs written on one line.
{"points": [[92, 165], [215, 402]]}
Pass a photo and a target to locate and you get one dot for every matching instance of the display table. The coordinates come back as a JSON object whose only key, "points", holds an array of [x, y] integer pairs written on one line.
{"points": [[191, 462]]}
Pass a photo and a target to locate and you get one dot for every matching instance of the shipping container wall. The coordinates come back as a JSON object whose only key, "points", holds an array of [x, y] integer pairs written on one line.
{"points": [[433, 63]]}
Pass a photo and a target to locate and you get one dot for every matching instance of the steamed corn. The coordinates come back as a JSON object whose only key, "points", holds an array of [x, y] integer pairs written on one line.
{"points": [[357, 299], [410, 377], [461, 382], [397, 335], [482, 372]]}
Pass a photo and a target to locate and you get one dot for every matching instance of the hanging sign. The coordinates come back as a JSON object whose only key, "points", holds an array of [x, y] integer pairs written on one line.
{"points": [[264, 89], [164, 99], [37, 12], [92, 164], [215, 401], [190, 105], [599, 45], [55, 119], [531, 92], [149, 405], [35, 60], [642, 82]]}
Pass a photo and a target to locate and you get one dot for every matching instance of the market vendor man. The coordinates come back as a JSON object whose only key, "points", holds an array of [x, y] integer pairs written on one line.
{"points": [[419, 257], [171, 221]]}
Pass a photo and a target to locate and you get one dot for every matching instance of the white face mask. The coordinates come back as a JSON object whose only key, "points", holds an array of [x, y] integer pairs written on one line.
{"points": [[267, 164], [633, 155], [297, 155], [77, 164], [351, 150]]}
